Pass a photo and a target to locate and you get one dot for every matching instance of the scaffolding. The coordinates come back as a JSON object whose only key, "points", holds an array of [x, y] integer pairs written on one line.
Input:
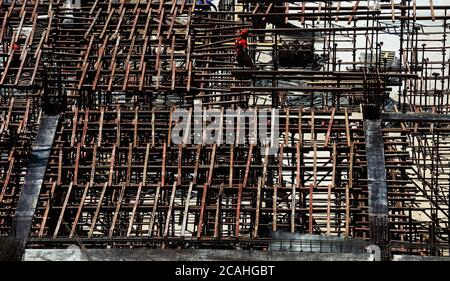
{"points": [[121, 70]]}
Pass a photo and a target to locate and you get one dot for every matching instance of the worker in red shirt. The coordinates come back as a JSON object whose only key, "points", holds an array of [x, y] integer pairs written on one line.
{"points": [[15, 47], [241, 47], [15, 60]]}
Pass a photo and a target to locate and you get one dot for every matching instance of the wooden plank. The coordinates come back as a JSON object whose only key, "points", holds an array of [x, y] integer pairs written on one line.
{"points": [[286, 129], [330, 125], [98, 64], [163, 166], [74, 128], [300, 131], [146, 32], [47, 210], [169, 33], [50, 20], [77, 162], [128, 64], [33, 76], [393, 10], [314, 163], [112, 66], [149, 6], [93, 7], [85, 61], [127, 75], [135, 123], [256, 8], [174, 7], [61, 215], [118, 124], [217, 217], [111, 12], [433, 18], [266, 162], [293, 205], [2, 31], [186, 209], [211, 165], [247, 166], [173, 66], [280, 166], [274, 206], [347, 193], [116, 211], [7, 178], [188, 87], [144, 177], [188, 52], [155, 205], [100, 127], [238, 210], [347, 127], [93, 165], [85, 127], [169, 212], [142, 78], [60, 157], [286, 11], [97, 210], [186, 136], [310, 213], [153, 127], [298, 177], [202, 211], [130, 161], [197, 164], [231, 171], [161, 20], [329, 210], [158, 64], [258, 208], [22, 63], [111, 167], [92, 23], [80, 208], [144, 52], [161, 7], [169, 133], [180, 159], [329, 189], [133, 28]]}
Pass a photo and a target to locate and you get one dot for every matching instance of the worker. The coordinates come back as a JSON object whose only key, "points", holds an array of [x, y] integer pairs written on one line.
{"points": [[241, 47], [15, 47], [15, 59]]}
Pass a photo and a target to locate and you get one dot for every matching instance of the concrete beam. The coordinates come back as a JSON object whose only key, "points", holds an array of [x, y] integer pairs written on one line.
{"points": [[377, 186], [416, 117], [184, 255], [34, 177]]}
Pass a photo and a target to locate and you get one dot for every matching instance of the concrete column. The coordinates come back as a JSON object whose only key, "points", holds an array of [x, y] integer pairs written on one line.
{"points": [[34, 177], [377, 186]]}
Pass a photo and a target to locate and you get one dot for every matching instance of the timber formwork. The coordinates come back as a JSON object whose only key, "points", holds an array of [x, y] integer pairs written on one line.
{"points": [[115, 177]]}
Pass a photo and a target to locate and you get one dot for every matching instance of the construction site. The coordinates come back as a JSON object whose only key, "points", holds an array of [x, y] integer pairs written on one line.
{"points": [[222, 130]]}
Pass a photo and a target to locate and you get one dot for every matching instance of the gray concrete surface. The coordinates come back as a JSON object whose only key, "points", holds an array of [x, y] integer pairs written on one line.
{"points": [[75, 254]]}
